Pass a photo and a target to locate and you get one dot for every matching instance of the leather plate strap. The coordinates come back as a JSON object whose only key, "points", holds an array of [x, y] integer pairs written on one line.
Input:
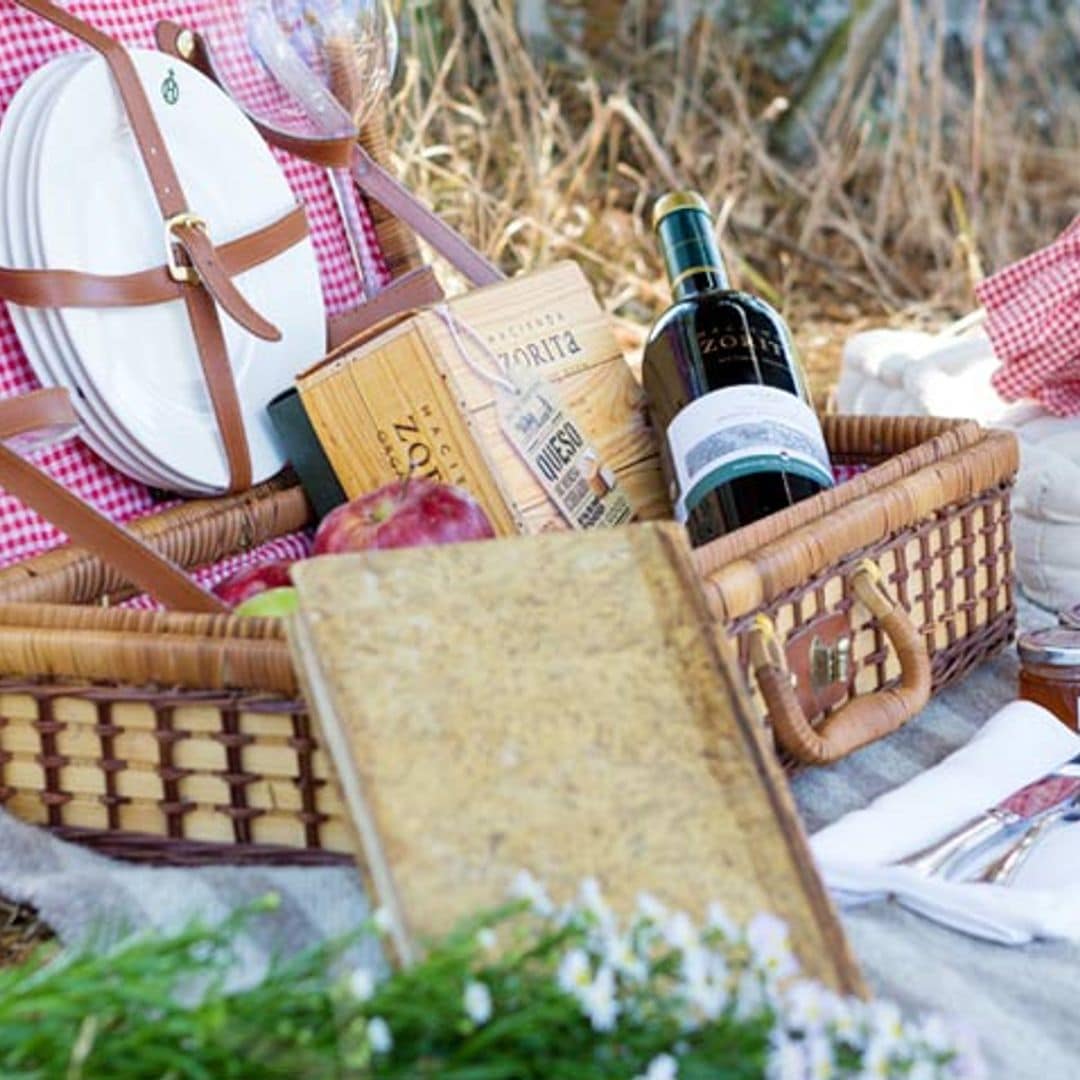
{"points": [[159, 166], [212, 282], [83, 525], [338, 152], [71, 288]]}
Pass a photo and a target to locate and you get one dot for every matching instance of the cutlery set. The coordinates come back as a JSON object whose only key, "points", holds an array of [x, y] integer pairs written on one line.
{"points": [[993, 846]]}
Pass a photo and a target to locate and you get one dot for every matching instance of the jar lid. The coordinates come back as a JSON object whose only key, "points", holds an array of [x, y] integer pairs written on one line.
{"points": [[1057, 646]]}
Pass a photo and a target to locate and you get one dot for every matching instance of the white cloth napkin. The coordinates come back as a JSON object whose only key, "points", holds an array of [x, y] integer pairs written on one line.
{"points": [[1020, 743]]}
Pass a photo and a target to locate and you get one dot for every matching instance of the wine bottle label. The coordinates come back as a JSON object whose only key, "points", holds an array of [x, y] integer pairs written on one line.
{"points": [[739, 431], [555, 449]]}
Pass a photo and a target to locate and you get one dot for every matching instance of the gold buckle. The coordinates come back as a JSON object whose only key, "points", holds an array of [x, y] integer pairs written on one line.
{"points": [[185, 275]]}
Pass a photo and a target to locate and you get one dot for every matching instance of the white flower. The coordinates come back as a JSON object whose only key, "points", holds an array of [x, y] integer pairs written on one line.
{"points": [[379, 1037], [786, 1061], [935, 1033], [619, 954], [679, 931], [362, 984], [650, 908], [922, 1070], [590, 896], [886, 1020], [598, 1000], [526, 887], [381, 920], [807, 1006], [820, 1059], [478, 1002], [662, 1067], [709, 998], [877, 1059], [767, 937], [575, 971], [487, 939], [751, 997], [843, 1021], [592, 901], [705, 976], [717, 919]]}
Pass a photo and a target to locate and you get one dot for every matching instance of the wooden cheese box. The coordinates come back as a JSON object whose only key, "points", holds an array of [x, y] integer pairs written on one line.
{"points": [[421, 397]]}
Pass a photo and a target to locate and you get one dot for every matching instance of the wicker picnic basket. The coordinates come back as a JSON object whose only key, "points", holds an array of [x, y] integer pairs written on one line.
{"points": [[182, 738], [851, 608]]}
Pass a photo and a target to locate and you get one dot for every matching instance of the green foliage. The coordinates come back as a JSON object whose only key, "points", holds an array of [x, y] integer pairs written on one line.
{"points": [[522, 992]]}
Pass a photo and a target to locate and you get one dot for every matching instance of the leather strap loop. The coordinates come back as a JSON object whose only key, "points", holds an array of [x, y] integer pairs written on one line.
{"points": [[70, 288], [212, 274], [82, 524], [340, 153], [862, 720]]}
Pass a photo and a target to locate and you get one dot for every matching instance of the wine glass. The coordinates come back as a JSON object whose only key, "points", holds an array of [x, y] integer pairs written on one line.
{"points": [[314, 68]]}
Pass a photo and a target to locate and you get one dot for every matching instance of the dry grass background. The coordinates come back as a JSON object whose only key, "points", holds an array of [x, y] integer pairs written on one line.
{"points": [[939, 167]]}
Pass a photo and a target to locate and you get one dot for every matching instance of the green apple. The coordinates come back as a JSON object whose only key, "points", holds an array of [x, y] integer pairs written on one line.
{"points": [[272, 602]]}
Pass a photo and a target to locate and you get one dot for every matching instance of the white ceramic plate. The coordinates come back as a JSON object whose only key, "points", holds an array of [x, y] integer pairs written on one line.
{"points": [[33, 336], [38, 329], [97, 213], [103, 430]]}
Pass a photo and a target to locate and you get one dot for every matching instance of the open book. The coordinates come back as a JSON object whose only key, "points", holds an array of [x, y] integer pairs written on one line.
{"points": [[558, 704]]}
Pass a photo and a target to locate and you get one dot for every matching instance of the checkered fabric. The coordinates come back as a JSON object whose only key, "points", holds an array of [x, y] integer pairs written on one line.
{"points": [[289, 548], [26, 42], [1033, 320]]}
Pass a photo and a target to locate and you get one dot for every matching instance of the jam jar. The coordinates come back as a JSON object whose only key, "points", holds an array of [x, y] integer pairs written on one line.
{"points": [[1050, 670]]}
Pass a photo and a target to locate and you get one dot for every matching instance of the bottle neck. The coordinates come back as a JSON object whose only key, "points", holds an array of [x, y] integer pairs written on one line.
{"points": [[691, 256]]}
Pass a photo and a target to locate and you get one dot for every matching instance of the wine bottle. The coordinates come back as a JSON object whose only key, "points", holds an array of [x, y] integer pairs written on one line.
{"points": [[739, 437]]}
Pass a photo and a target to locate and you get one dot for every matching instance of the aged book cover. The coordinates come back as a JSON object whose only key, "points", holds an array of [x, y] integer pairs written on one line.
{"points": [[559, 704]]}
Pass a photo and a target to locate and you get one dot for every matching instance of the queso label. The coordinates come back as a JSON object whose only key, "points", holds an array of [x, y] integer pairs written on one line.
{"points": [[559, 455]]}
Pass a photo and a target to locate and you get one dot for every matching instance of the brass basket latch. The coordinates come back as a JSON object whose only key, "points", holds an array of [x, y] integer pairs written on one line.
{"points": [[829, 663]]}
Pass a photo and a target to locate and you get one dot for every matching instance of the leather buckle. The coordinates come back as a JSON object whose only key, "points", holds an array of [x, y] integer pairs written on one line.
{"points": [[185, 275]]}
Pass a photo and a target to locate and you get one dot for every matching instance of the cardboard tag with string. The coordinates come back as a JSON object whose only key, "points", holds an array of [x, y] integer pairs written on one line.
{"points": [[544, 432]]}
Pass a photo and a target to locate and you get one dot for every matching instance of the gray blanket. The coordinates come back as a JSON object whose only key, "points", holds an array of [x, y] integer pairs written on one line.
{"points": [[1024, 1003], [88, 899]]}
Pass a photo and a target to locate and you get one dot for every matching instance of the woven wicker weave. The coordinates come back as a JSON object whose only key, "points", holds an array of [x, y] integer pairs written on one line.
{"points": [[167, 736], [162, 735]]}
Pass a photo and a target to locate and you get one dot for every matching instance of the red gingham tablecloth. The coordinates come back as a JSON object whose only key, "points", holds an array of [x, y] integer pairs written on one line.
{"points": [[26, 42], [1033, 321]]}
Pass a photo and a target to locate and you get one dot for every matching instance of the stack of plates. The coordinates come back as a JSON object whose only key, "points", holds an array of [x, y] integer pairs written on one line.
{"points": [[74, 195]]}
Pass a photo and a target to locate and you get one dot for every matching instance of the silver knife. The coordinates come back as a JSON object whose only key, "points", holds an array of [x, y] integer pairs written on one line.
{"points": [[1023, 807]]}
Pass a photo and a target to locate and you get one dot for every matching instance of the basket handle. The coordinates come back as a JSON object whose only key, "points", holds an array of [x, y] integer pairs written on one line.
{"points": [[861, 720]]}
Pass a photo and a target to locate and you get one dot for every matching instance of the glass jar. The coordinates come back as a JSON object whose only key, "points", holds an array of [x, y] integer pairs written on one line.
{"points": [[1050, 671]]}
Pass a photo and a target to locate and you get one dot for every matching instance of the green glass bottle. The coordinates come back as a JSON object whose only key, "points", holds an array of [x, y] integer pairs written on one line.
{"points": [[739, 437]]}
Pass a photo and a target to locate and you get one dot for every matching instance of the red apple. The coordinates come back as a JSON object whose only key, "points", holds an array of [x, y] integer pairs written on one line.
{"points": [[405, 513], [252, 580]]}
